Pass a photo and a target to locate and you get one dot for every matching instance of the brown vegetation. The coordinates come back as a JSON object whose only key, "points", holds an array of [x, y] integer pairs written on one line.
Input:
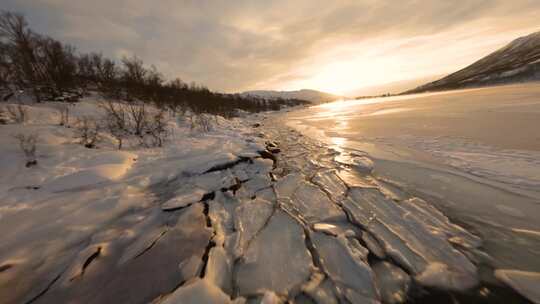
{"points": [[51, 70]]}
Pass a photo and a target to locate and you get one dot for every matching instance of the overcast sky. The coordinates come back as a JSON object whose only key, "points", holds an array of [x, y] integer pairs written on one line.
{"points": [[336, 46]]}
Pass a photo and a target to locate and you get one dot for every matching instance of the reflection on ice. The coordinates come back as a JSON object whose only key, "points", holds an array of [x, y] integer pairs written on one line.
{"points": [[338, 143]]}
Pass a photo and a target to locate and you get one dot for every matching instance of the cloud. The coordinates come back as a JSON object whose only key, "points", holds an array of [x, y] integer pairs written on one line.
{"points": [[236, 45]]}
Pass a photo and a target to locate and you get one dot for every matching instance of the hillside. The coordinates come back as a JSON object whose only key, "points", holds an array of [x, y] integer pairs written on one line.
{"points": [[519, 61], [309, 95]]}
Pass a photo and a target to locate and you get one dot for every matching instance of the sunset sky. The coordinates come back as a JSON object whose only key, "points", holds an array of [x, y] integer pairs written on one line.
{"points": [[341, 47]]}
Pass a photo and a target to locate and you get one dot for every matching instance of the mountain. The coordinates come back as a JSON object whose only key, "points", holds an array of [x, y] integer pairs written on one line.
{"points": [[519, 61], [309, 95]]}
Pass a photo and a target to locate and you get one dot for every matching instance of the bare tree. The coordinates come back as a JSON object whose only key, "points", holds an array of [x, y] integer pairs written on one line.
{"points": [[58, 63], [139, 117], [6, 70], [21, 41], [116, 120], [18, 113], [48, 68], [87, 131], [157, 129], [106, 74], [202, 122], [133, 77], [27, 143]]}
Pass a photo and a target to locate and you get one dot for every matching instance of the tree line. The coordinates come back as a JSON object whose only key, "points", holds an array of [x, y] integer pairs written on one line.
{"points": [[51, 70]]}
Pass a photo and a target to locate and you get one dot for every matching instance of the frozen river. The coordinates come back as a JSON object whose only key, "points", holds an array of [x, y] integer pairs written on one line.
{"points": [[474, 153], [417, 199]]}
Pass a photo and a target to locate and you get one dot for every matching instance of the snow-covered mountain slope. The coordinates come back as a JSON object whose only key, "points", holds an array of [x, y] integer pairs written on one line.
{"points": [[519, 61], [309, 95]]}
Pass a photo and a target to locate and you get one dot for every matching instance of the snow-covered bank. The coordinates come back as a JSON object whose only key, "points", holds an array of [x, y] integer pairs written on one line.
{"points": [[81, 217]]}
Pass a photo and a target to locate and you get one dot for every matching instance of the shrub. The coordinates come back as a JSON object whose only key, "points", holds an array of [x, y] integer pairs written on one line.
{"points": [[116, 121], [87, 131], [63, 113], [4, 119], [18, 113], [202, 122], [27, 144], [157, 129]]}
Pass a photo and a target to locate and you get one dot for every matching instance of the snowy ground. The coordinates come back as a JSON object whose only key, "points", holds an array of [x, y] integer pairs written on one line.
{"points": [[81, 203], [241, 214]]}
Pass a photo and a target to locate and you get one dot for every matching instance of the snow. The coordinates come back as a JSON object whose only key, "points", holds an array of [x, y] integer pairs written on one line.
{"points": [[191, 267], [198, 292], [219, 269], [286, 264], [270, 298], [221, 214], [520, 168], [412, 239], [103, 208], [251, 216], [346, 267], [104, 167], [360, 162], [254, 185], [184, 199], [393, 282], [330, 182], [320, 289], [286, 186], [314, 204]]}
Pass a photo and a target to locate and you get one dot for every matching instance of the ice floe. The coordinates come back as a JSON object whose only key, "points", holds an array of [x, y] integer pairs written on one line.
{"points": [[525, 282]]}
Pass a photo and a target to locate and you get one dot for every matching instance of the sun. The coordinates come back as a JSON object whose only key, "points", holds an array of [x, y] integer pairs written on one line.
{"points": [[344, 70]]}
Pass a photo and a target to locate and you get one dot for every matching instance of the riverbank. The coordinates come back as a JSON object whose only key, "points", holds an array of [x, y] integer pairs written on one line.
{"points": [[98, 224]]}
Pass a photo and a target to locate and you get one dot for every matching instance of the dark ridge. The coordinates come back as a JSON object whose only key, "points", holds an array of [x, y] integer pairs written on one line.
{"points": [[5, 267], [47, 288], [267, 155], [210, 196], [205, 257], [234, 187], [484, 294], [90, 259], [211, 243], [154, 242], [228, 165], [207, 197], [177, 208]]}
